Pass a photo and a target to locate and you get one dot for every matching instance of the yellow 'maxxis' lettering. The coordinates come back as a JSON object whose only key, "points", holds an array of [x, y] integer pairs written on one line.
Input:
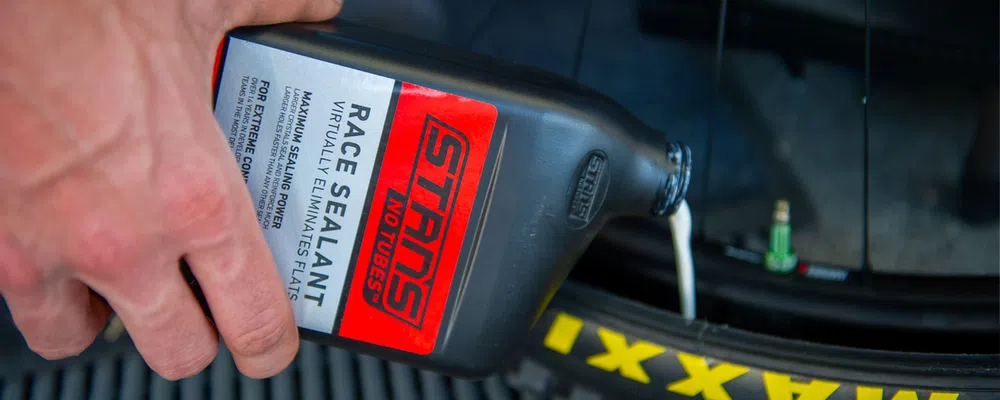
{"points": [[781, 387], [622, 357], [563, 333], [702, 379], [705, 380], [870, 393]]}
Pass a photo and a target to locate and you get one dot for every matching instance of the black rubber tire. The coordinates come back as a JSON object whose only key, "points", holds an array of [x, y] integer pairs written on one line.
{"points": [[856, 373]]}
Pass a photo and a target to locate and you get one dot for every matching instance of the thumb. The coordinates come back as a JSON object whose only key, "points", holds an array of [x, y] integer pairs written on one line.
{"points": [[264, 12]]}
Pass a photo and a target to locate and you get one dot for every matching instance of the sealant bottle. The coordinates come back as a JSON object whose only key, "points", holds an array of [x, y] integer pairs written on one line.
{"points": [[424, 204]]}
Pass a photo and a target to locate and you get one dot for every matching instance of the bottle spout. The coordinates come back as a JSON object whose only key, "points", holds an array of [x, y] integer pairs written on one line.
{"points": [[674, 186]]}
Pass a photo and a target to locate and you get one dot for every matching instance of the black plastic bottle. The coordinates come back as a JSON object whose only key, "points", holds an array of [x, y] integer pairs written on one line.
{"points": [[424, 204]]}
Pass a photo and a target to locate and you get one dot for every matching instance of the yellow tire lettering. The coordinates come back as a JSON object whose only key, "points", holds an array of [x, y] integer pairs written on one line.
{"points": [[622, 357], [943, 396], [870, 393], [563, 333], [781, 387], [705, 380], [933, 396]]}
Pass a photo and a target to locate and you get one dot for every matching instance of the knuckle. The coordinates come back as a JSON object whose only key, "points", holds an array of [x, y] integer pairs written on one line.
{"points": [[102, 250], [261, 334], [198, 201]]}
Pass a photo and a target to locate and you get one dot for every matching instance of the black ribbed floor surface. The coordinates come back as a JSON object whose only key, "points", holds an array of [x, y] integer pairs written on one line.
{"points": [[317, 373]]}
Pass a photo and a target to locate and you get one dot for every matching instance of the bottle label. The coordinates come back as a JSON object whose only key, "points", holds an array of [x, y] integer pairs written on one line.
{"points": [[363, 186]]}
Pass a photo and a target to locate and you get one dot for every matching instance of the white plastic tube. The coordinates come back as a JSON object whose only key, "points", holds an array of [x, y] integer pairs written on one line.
{"points": [[680, 230]]}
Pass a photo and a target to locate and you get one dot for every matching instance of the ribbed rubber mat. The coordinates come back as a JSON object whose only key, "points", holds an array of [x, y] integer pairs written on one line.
{"points": [[317, 373]]}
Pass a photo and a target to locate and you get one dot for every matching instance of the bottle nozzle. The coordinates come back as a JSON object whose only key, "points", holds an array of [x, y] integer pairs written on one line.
{"points": [[675, 185]]}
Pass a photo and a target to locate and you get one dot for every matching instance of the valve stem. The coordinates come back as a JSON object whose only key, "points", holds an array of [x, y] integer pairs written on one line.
{"points": [[780, 258]]}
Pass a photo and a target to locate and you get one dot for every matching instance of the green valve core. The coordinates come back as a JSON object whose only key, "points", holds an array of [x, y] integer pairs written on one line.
{"points": [[780, 258]]}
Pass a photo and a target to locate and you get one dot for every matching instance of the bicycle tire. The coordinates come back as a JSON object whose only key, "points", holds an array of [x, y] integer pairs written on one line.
{"points": [[566, 345]]}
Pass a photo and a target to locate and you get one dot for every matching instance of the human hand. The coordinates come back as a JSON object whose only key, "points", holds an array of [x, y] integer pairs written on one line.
{"points": [[113, 169]]}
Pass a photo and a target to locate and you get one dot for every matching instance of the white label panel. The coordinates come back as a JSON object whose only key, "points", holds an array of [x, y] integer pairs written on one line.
{"points": [[305, 134]]}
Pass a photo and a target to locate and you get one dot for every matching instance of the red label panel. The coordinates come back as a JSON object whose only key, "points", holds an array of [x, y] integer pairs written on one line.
{"points": [[418, 219]]}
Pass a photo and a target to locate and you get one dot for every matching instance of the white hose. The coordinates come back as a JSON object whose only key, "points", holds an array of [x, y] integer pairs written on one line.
{"points": [[680, 229]]}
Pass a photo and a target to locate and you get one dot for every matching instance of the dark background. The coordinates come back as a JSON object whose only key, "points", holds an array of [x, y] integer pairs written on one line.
{"points": [[782, 107], [784, 111]]}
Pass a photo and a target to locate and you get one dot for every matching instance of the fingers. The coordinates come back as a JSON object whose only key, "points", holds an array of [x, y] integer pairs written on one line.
{"points": [[58, 317], [140, 278], [227, 254], [248, 302], [164, 320], [61, 320], [118, 248]]}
